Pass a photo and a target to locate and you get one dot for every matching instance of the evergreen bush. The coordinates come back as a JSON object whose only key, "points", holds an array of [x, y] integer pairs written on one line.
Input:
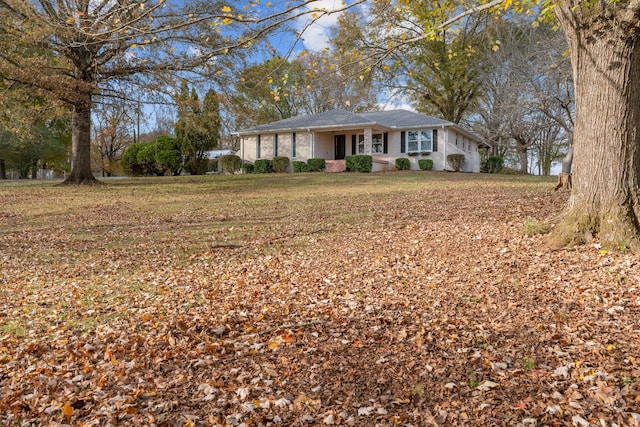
{"points": [[229, 163], [262, 166], [495, 164], [299, 166], [280, 164], [247, 168], [403, 164], [129, 160], [359, 163], [456, 161], [425, 164], [316, 165]]}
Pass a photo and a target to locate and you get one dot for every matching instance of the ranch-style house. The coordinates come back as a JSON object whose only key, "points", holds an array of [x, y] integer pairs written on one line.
{"points": [[385, 135]]}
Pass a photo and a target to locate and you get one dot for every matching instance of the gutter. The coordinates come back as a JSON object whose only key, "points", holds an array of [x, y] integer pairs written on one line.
{"points": [[446, 141]]}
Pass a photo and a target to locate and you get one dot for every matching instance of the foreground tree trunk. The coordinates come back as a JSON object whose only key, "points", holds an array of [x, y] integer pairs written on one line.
{"points": [[605, 56], [81, 146], [3, 170]]}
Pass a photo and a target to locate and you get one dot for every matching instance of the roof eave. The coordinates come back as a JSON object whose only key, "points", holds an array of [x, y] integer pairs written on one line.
{"points": [[326, 128]]}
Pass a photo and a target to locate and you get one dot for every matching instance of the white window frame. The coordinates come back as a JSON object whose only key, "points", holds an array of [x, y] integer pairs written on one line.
{"points": [[377, 144], [422, 140]]}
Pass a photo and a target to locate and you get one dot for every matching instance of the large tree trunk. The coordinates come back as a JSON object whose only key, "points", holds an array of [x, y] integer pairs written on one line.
{"points": [[3, 169], [523, 153], [81, 146], [605, 56], [567, 161]]}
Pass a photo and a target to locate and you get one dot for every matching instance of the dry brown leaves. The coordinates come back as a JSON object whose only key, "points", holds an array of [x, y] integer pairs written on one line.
{"points": [[351, 300]]}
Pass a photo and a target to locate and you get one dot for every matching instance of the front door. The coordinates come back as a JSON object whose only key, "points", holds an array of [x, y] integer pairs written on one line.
{"points": [[340, 147]]}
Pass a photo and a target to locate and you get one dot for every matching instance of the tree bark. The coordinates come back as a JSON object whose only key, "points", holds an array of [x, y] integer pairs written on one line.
{"points": [[605, 56], [567, 161], [524, 159], [3, 170], [81, 145]]}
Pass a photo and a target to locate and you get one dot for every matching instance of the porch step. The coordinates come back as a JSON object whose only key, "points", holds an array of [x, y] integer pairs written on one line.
{"points": [[335, 166]]}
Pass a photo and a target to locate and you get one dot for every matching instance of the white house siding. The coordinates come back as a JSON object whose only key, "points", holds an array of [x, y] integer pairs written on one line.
{"points": [[464, 146], [249, 146], [321, 145]]}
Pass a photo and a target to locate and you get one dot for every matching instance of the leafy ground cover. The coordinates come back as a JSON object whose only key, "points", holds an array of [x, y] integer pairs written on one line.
{"points": [[399, 299]]}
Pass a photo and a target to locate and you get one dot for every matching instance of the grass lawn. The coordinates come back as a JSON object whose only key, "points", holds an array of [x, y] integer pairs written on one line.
{"points": [[392, 299]]}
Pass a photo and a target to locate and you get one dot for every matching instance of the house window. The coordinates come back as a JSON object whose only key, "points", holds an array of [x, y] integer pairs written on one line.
{"points": [[377, 144], [258, 147], [419, 141], [275, 145], [293, 145]]}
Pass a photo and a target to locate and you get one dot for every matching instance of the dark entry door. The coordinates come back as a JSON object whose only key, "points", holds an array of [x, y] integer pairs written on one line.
{"points": [[340, 150]]}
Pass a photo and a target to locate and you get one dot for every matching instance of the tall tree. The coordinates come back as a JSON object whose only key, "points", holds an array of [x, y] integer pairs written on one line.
{"points": [[76, 49], [198, 127], [34, 131], [604, 46], [443, 73]]}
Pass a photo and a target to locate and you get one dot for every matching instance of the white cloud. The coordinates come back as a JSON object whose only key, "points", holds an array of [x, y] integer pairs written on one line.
{"points": [[316, 37]]}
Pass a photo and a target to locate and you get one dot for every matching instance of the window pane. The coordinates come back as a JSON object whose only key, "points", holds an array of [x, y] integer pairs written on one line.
{"points": [[360, 144], [425, 141], [413, 146], [412, 135], [376, 141]]}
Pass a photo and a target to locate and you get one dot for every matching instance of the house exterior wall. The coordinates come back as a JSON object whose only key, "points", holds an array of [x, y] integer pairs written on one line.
{"points": [[249, 146], [321, 145], [460, 144]]}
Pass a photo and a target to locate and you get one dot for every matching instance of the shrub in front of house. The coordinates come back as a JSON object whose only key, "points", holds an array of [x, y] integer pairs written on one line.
{"points": [[456, 161], [425, 164], [229, 163], [495, 164], [403, 164], [316, 165], [280, 164], [359, 163], [299, 166], [247, 168], [262, 166]]}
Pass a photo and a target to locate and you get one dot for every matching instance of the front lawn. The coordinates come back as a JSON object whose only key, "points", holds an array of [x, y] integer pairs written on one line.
{"points": [[395, 299]]}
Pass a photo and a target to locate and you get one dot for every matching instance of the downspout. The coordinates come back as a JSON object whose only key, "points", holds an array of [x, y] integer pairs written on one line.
{"points": [[242, 151], [446, 141], [313, 144]]}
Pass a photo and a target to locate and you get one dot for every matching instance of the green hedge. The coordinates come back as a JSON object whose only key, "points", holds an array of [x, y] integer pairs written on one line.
{"points": [[247, 168], [456, 161], [263, 166], [495, 164], [359, 163], [403, 164], [229, 163], [425, 164], [316, 165], [280, 164], [299, 166]]}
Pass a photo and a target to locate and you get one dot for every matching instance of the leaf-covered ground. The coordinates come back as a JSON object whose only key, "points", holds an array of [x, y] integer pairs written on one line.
{"points": [[407, 299]]}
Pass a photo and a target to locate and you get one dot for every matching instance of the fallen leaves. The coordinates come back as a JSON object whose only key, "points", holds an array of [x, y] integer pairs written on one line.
{"points": [[391, 299]]}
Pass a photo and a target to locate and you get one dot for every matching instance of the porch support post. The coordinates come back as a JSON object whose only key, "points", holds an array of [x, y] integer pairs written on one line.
{"points": [[368, 148]]}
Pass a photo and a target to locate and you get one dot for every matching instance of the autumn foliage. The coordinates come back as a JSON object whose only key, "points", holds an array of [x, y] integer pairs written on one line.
{"points": [[414, 298]]}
